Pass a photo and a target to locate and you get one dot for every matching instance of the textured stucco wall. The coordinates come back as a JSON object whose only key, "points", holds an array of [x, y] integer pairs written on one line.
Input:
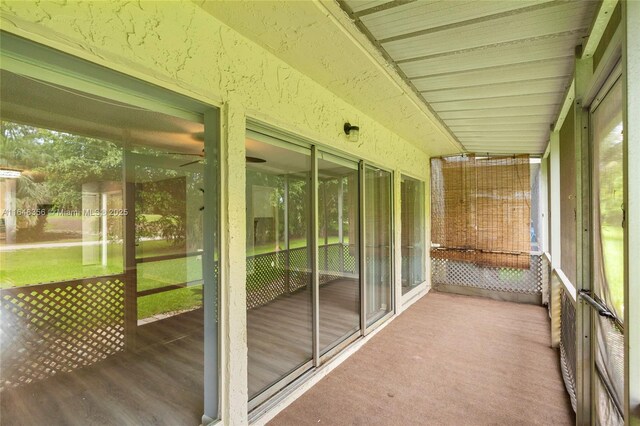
{"points": [[180, 47]]}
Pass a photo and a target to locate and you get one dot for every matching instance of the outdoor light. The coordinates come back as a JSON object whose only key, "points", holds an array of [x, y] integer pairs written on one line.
{"points": [[352, 132], [10, 173]]}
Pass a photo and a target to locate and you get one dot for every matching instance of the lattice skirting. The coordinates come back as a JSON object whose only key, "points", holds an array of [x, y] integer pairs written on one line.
{"points": [[59, 327], [467, 274]]}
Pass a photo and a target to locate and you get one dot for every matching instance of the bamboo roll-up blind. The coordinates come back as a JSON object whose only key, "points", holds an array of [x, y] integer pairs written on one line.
{"points": [[481, 210]]}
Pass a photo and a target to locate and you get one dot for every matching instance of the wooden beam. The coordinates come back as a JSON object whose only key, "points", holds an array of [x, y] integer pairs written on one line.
{"points": [[598, 27], [566, 105]]}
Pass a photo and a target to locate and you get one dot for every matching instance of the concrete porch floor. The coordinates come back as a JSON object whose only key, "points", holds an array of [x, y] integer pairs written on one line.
{"points": [[447, 360]]}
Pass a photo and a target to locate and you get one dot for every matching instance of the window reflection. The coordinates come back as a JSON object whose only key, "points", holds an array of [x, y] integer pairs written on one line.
{"points": [[101, 258]]}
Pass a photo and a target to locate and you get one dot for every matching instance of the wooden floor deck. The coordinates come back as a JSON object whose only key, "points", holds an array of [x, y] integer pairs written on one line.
{"points": [[162, 384]]}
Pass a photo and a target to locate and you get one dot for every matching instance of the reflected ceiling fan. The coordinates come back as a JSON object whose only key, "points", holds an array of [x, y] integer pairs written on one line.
{"points": [[201, 155]]}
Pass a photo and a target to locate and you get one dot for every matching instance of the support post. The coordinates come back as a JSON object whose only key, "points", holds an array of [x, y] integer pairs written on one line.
{"points": [[287, 255], [583, 73], [104, 230], [233, 269], [543, 215], [129, 252], [631, 126], [554, 235]]}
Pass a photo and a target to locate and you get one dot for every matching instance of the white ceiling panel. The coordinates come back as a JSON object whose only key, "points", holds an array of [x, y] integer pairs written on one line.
{"points": [[533, 86], [500, 102], [424, 15], [361, 5], [553, 68], [498, 121], [564, 17], [494, 71], [541, 49], [514, 127], [540, 110]]}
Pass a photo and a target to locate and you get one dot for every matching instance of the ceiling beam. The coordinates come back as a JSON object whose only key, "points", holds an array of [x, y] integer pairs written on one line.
{"points": [[598, 27], [566, 105]]}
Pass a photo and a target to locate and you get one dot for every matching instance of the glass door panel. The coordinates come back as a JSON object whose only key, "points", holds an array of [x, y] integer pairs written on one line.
{"points": [[378, 237], [279, 304], [338, 250], [412, 236]]}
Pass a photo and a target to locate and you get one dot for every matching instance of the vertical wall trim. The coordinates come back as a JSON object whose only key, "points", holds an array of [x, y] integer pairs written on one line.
{"points": [[583, 74], [554, 172], [315, 274], [397, 236], [362, 168], [631, 108], [233, 273], [427, 226], [211, 229], [554, 234]]}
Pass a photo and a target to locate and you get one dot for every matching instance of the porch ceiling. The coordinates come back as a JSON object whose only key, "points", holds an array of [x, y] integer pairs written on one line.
{"points": [[494, 71]]}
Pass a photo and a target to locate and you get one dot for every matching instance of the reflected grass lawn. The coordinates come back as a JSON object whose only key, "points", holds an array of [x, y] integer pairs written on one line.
{"points": [[53, 264]]}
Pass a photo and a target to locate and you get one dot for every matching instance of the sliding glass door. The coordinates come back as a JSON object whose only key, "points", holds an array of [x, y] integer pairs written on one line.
{"points": [[338, 250], [306, 296], [377, 242]]}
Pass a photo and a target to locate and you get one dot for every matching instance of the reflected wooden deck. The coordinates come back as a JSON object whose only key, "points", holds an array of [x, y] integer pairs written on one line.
{"points": [[280, 333], [163, 384]]}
